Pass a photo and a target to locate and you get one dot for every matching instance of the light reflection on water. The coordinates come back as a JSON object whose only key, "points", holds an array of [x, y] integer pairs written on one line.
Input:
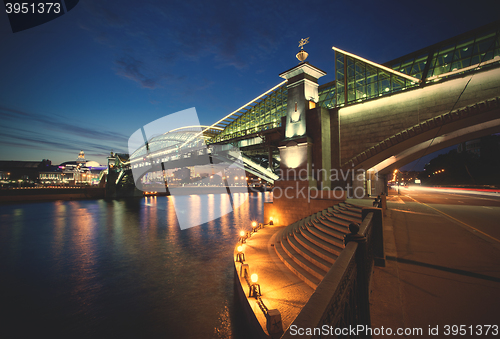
{"points": [[121, 268]]}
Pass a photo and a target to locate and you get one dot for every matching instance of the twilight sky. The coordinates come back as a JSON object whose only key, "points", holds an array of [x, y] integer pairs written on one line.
{"points": [[89, 79]]}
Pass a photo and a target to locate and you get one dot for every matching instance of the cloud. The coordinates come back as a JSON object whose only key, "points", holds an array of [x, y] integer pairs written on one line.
{"points": [[145, 34], [133, 69], [51, 134], [49, 123]]}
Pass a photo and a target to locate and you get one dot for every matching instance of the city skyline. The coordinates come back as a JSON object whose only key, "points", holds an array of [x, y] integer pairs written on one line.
{"points": [[89, 79]]}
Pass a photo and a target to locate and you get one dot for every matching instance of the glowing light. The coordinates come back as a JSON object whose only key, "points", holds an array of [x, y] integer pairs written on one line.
{"points": [[254, 224], [254, 278], [240, 249], [242, 233], [271, 218], [387, 69]]}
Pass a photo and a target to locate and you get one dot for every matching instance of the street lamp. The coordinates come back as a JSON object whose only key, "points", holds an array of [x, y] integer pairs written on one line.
{"points": [[240, 256], [254, 226], [243, 237], [254, 288]]}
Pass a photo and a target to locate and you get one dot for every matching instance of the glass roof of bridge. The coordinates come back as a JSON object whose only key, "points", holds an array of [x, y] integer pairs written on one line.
{"points": [[173, 141], [357, 80]]}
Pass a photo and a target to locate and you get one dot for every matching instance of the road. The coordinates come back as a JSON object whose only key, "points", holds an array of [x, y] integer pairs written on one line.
{"points": [[443, 261], [477, 210]]}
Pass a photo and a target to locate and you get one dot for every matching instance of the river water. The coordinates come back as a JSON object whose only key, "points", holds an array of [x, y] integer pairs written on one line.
{"points": [[120, 269]]}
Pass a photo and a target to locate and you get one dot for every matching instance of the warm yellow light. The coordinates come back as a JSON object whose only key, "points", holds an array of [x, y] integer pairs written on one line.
{"points": [[242, 178], [247, 178], [242, 233], [240, 249], [235, 178], [254, 278], [271, 218], [387, 69], [254, 224]]}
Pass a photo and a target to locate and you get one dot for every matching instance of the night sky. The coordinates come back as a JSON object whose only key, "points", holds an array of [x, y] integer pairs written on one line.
{"points": [[89, 79]]}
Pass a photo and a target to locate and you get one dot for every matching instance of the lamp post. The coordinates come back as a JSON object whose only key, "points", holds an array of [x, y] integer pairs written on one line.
{"points": [[254, 287], [240, 256], [243, 237], [271, 221], [254, 226]]}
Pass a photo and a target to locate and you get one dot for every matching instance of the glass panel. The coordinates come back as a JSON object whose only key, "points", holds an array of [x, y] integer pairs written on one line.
{"points": [[340, 92], [384, 84]]}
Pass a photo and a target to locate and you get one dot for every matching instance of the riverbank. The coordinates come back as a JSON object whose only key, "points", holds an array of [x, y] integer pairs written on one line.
{"points": [[31, 194]]}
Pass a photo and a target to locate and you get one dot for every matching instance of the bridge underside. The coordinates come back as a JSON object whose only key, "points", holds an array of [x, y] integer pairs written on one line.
{"points": [[432, 135]]}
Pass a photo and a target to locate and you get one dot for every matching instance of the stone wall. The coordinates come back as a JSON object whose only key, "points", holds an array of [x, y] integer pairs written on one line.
{"points": [[295, 201]]}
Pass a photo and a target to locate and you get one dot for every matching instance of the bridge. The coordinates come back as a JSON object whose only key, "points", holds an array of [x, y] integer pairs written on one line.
{"points": [[371, 119]]}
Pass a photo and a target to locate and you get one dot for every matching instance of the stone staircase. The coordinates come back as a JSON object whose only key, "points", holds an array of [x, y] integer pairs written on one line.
{"points": [[310, 246]]}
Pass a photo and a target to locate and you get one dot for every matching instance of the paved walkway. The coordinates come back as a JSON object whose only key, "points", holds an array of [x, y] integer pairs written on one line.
{"points": [[437, 275], [280, 288]]}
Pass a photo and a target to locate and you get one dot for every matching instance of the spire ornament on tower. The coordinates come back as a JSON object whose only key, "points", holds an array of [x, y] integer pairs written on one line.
{"points": [[302, 55]]}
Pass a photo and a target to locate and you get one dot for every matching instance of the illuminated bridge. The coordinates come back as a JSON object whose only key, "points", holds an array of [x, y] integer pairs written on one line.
{"points": [[372, 116]]}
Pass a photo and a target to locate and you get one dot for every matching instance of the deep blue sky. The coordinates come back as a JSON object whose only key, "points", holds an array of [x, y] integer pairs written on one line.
{"points": [[89, 79]]}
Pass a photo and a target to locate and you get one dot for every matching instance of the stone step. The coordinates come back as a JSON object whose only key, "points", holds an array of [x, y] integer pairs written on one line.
{"points": [[346, 219], [308, 255], [305, 276], [357, 207], [347, 212], [329, 247], [325, 255], [336, 224], [289, 230], [302, 262], [352, 208], [324, 226], [326, 237]]}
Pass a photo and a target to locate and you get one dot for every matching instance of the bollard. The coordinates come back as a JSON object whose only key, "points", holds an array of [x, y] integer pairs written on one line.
{"points": [[244, 270], [274, 324]]}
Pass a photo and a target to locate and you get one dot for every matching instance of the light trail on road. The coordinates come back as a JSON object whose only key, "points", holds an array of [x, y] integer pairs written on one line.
{"points": [[449, 216]]}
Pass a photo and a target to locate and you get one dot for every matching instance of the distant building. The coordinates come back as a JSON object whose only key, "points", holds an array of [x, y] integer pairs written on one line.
{"points": [[472, 146], [81, 171], [31, 173], [488, 146]]}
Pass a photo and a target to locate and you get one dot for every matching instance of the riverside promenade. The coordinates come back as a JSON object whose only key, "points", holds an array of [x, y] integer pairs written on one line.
{"points": [[437, 274], [280, 288]]}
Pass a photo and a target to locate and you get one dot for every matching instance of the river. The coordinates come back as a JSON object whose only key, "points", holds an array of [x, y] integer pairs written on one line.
{"points": [[120, 269]]}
